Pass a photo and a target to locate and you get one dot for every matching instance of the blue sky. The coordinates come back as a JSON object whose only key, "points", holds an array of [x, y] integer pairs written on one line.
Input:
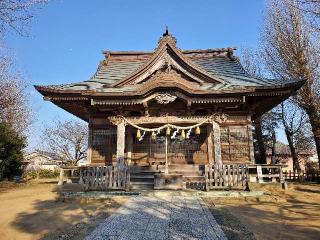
{"points": [[67, 37]]}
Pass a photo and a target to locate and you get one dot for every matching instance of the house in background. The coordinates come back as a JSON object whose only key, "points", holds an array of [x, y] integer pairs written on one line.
{"points": [[283, 156], [37, 160]]}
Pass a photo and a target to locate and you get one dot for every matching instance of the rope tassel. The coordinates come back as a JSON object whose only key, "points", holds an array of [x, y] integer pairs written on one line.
{"points": [[138, 134]]}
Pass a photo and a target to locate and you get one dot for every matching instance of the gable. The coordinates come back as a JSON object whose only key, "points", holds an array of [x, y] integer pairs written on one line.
{"points": [[168, 57]]}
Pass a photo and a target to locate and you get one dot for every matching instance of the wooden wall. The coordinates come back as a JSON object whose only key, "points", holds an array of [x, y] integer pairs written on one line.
{"points": [[236, 145]]}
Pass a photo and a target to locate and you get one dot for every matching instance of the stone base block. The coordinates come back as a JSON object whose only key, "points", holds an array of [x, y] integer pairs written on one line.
{"points": [[168, 181]]}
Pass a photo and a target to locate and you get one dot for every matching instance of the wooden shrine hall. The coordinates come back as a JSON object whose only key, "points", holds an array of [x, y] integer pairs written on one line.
{"points": [[171, 118]]}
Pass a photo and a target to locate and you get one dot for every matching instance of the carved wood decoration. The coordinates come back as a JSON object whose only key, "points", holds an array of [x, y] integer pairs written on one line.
{"points": [[165, 98], [167, 57]]}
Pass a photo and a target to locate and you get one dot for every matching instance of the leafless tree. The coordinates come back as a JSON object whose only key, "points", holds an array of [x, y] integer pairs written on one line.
{"points": [[265, 125], [291, 52], [17, 14], [295, 123], [15, 109], [311, 9], [67, 139]]}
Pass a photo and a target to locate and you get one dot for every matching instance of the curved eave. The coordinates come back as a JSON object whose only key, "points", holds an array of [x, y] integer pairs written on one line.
{"points": [[250, 91]]}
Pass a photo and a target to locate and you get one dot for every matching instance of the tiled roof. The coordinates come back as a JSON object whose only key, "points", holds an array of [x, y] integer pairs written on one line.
{"points": [[216, 62]]}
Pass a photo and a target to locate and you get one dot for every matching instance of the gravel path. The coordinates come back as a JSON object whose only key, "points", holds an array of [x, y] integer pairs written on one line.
{"points": [[160, 217]]}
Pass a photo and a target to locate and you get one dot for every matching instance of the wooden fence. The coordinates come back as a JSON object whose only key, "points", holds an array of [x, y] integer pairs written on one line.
{"points": [[226, 176], [304, 176], [266, 172], [104, 177]]}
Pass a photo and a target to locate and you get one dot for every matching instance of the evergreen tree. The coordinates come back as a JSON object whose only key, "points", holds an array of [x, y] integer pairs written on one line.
{"points": [[11, 155]]}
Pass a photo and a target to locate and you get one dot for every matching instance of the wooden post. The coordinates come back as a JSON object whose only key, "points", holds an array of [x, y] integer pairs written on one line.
{"points": [[129, 146], [210, 151], [281, 179], [217, 144], [61, 177], [250, 140], [206, 177], [166, 171], [259, 174], [120, 139], [90, 140]]}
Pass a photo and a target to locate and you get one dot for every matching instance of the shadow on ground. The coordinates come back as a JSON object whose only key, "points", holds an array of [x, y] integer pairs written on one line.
{"points": [[291, 215], [52, 218]]}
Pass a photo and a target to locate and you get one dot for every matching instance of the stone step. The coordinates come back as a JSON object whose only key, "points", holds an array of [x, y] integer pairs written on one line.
{"points": [[139, 175], [149, 179], [187, 173], [193, 178], [142, 185], [185, 167], [134, 169]]}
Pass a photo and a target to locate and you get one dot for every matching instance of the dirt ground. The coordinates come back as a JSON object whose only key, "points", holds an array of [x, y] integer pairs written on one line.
{"points": [[30, 211], [291, 214]]}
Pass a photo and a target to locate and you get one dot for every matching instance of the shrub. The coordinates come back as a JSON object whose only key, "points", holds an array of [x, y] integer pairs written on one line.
{"points": [[41, 173], [45, 173]]}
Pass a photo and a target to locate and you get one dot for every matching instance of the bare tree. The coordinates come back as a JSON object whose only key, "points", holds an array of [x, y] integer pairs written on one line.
{"points": [[264, 126], [17, 14], [15, 109], [290, 52], [14, 106], [67, 139], [295, 123], [311, 9]]}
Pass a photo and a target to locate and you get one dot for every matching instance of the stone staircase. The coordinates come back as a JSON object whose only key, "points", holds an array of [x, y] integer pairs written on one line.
{"points": [[193, 177], [142, 177]]}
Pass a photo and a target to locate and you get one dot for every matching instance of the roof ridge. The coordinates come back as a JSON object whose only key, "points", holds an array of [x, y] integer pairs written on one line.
{"points": [[186, 51]]}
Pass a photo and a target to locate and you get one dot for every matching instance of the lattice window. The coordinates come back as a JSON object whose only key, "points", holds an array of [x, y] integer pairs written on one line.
{"points": [[235, 144], [100, 136], [104, 142]]}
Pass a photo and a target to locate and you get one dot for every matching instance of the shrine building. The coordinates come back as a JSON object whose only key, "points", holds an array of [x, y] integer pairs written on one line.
{"points": [[170, 110]]}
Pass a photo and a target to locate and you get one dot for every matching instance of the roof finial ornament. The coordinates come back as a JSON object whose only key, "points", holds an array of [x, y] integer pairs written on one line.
{"points": [[167, 37], [166, 32]]}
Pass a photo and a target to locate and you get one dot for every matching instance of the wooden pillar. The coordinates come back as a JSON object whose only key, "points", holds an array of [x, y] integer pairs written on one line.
{"points": [[166, 171], [129, 146], [120, 139], [90, 139], [210, 151], [217, 144], [250, 140]]}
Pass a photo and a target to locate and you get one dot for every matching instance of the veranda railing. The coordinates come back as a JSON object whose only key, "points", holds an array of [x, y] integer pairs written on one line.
{"points": [[105, 177], [226, 176]]}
